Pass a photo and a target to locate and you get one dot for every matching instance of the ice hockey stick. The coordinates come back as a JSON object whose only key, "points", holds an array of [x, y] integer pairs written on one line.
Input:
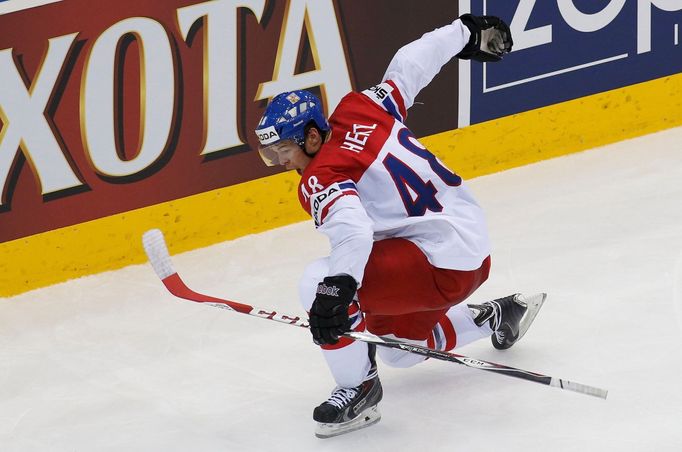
{"points": [[157, 252]]}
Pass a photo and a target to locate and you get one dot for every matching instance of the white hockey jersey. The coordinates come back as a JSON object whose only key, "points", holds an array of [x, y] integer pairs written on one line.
{"points": [[373, 179]]}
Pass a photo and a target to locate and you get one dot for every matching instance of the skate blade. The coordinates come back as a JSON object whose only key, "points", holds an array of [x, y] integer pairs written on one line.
{"points": [[368, 417], [534, 303]]}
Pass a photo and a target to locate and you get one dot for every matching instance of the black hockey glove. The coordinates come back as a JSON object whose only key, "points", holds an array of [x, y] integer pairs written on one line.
{"points": [[490, 38], [329, 313]]}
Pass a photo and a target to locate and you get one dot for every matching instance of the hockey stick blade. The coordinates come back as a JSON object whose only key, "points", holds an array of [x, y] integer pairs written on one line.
{"points": [[157, 252]]}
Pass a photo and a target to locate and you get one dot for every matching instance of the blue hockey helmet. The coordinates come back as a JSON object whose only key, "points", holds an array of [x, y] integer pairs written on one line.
{"points": [[286, 118]]}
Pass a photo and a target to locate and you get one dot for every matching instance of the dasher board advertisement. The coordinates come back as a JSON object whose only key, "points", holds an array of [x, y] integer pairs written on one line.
{"points": [[567, 49]]}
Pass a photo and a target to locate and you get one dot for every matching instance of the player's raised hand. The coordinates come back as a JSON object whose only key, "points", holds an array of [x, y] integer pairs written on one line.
{"points": [[490, 38]]}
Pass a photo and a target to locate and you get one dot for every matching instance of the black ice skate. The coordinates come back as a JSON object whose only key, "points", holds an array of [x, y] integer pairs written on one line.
{"points": [[509, 317], [350, 409]]}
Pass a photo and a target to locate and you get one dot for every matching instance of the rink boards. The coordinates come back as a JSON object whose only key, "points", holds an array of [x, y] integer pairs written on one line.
{"points": [[179, 160]]}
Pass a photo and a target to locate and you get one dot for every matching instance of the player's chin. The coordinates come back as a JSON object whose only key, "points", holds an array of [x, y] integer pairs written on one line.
{"points": [[290, 167]]}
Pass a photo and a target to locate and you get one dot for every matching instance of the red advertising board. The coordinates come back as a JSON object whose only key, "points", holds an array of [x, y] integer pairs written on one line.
{"points": [[110, 106]]}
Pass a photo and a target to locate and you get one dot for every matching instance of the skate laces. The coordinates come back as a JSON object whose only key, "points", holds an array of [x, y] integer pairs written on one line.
{"points": [[342, 396], [496, 316], [496, 322]]}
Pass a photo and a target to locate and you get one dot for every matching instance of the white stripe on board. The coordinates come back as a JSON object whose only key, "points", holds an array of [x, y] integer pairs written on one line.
{"points": [[487, 89], [17, 5]]}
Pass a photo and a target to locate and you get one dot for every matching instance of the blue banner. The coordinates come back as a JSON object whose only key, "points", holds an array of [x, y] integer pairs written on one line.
{"points": [[566, 49]]}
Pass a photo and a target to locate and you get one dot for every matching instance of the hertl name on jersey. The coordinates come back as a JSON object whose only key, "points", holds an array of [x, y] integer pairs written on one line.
{"points": [[355, 141]]}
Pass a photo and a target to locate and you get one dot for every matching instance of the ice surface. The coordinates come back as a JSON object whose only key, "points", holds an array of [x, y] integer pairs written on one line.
{"points": [[113, 362]]}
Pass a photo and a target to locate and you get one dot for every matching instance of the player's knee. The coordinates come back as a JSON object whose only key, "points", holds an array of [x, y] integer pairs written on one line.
{"points": [[398, 358], [312, 275]]}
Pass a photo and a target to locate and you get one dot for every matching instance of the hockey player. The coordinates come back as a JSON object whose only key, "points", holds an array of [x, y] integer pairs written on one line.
{"points": [[409, 242]]}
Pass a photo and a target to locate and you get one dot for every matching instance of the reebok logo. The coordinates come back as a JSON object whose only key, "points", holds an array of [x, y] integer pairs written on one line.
{"points": [[324, 289]]}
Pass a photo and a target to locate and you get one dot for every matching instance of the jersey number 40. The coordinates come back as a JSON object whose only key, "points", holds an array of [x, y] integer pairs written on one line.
{"points": [[407, 181]]}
